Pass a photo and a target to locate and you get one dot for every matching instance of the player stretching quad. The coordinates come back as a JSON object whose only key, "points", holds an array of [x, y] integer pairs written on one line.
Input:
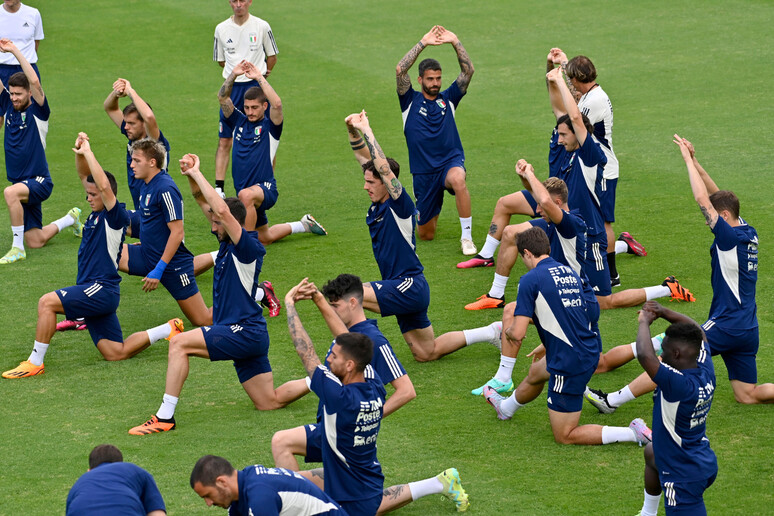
{"points": [[258, 490], [96, 295], [256, 140], [550, 294], [679, 461], [403, 290], [436, 158], [26, 112], [240, 37], [136, 121], [732, 325]]}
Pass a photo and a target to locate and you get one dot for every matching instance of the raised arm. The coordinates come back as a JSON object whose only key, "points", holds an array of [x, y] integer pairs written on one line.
{"points": [[219, 210], [466, 66], [332, 319], [301, 341], [360, 122], [669, 315], [699, 188], [84, 156], [401, 71], [111, 107], [547, 204], [146, 113], [6, 45], [556, 78], [275, 102], [645, 353], [358, 144], [708, 182], [224, 94], [557, 106]]}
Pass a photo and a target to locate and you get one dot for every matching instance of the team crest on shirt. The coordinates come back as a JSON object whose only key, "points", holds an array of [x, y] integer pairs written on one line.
{"points": [[253, 37], [441, 103], [258, 131], [147, 199], [24, 117]]}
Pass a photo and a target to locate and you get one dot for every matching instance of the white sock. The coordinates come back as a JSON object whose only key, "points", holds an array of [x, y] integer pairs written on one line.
{"points": [[425, 487], [296, 227], [650, 504], [18, 236], [490, 246], [64, 222], [38, 353], [159, 332], [466, 223], [617, 434], [656, 292], [621, 247], [616, 399], [483, 334], [259, 295], [214, 255], [505, 371], [509, 406], [498, 286], [167, 408], [656, 341]]}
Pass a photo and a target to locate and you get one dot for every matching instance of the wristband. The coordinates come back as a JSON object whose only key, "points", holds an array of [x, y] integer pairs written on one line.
{"points": [[158, 271]]}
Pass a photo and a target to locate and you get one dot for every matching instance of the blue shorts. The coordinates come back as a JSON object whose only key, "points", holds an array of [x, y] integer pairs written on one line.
{"points": [[565, 393], [246, 344], [531, 201], [178, 277], [270, 195], [313, 443], [738, 348], [686, 497], [607, 199], [598, 273], [6, 71], [429, 189], [40, 189], [407, 299], [135, 219], [96, 303], [225, 130], [367, 507]]}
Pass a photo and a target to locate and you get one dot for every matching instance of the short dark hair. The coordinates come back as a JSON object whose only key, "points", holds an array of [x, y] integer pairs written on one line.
{"points": [[428, 64], [111, 179], [208, 468], [344, 285], [565, 119], [104, 453], [357, 347], [19, 79], [255, 93], [725, 200], [557, 187], [394, 166], [581, 69], [237, 209], [685, 333], [152, 150], [533, 240]]}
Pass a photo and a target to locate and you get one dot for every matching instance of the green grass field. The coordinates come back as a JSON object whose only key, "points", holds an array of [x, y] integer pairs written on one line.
{"points": [[702, 69]]}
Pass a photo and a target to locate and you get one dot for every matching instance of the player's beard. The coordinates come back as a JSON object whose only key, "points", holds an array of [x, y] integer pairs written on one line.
{"points": [[431, 91]]}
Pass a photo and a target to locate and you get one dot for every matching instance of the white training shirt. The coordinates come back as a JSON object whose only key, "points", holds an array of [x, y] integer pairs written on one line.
{"points": [[595, 104], [252, 41], [23, 27]]}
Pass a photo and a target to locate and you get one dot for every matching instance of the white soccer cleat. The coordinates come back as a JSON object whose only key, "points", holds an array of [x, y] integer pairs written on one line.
{"points": [[468, 247]]}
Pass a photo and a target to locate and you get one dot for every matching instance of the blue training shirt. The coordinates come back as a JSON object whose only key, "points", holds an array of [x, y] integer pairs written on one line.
{"points": [[235, 280], [352, 415], [101, 244], [431, 129], [25, 139], [391, 224], [116, 488], [255, 144], [136, 184], [681, 403], [552, 295], [582, 170], [274, 491], [161, 202], [734, 275]]}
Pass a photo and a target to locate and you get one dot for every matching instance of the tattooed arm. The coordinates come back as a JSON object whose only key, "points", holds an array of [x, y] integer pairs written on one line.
{"points": [[360, 122], [224, 94], [466, 66], [301, 340], [698, 185], [401, 71], [358, 145]]}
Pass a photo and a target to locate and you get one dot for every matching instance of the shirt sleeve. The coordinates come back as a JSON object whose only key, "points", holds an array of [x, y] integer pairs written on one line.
{"points": [[328, 388], [275, 130], [539, 223], [385, 363], [674, 385], [218, 53], [590, 153], [567, 227], [453, 94], [151, 496], [525, 297], [269, 45], [725, 236], [555, 154], [248, 248], [406, 99], [38, 26], [118, 217], [403, 205], [263, 499], [172, 204], [42, 112], [5, 100]]}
